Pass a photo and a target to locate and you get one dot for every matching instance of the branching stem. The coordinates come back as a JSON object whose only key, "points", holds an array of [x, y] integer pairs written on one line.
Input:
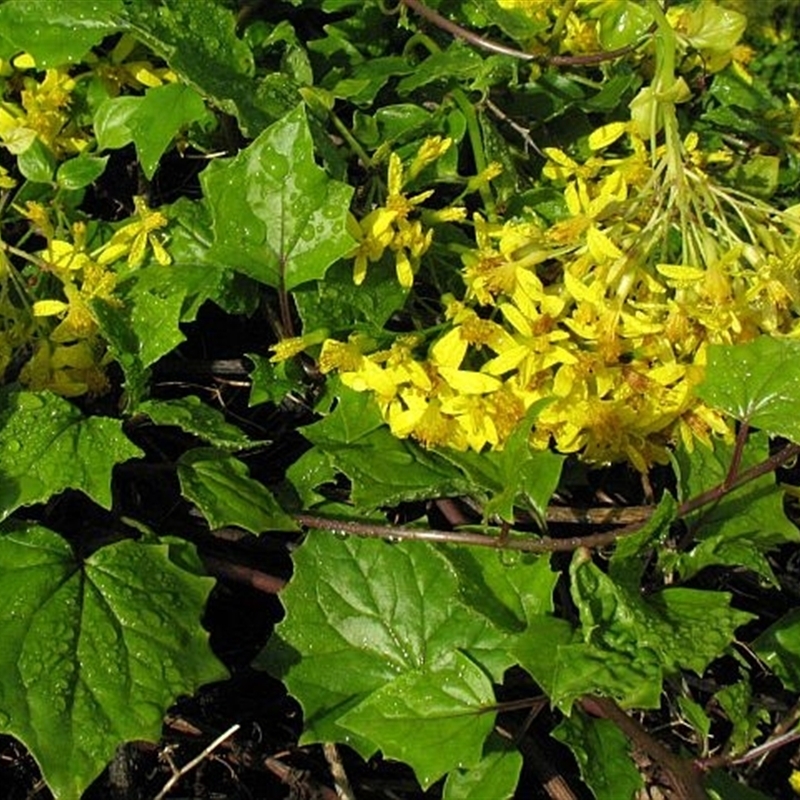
{"points": [[459, 32]]}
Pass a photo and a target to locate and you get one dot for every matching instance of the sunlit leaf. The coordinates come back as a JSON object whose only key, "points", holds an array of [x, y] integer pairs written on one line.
{"points": [[94, 652], [47, 445], [758, 383], [371, 629], [745, 523], [57, 32], [277, 216], [222, 489]]}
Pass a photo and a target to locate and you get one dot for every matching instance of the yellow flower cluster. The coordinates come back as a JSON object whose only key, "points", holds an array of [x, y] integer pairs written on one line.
{"points": [[603, 318], [69, 357], [605, 314], [43, 112], [392, 226]]}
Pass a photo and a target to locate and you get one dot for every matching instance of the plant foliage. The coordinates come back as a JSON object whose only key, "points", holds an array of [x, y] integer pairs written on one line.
{"points": [[490, 256]]}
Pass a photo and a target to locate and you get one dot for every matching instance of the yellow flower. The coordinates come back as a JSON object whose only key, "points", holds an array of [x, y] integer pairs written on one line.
{"points": [[132, 239], [390, 227], [68, 370], [294, 345], [6, 181]]}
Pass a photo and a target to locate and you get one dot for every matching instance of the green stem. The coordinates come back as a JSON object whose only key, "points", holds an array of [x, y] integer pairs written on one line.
{"points": [[351, 141], [476, 143], [561, 22], [473, 127]]}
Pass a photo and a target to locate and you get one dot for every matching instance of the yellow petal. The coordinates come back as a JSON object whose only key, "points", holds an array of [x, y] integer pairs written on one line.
{"points": [[49, 308], [606, 135], [681, 274], [469, 382], [600, 246], [405, 274], [449, 351], [162, 256]]}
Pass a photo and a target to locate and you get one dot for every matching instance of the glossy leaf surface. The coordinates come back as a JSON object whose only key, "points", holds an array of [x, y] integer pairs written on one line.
{"points": [[277, 216], [47, 446], [94, 652]]}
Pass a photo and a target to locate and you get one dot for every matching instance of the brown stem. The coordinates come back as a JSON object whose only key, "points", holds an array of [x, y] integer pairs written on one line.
{"points": [[716, 493], [543, 544], [491, 46], [736, 458], [680, 772], [767, 748], [219, 568]]}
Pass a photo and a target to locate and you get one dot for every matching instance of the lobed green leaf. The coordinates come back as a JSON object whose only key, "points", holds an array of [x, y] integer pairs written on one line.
{"points": [[48, 446], [94, 652], [222, 489], [277, 216]]}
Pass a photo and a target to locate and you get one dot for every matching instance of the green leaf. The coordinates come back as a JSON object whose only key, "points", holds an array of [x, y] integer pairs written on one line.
{"points": [[687, 628], [622, 24], [222, 489], [629, 642], [744, 524], [37, 163], [271, 382], [737, 703], [198, 40], [412, 715], [758, 383], [385, 470], [57, 32], [80, 171], [277, 215], [124, 346], [458, 61], [94, 652], [603, 755], [362, 614], [633, 678], [194, 271], [110, 123], [631, 553], [163, 112], [365, 80], [509, 589], [47, 445], [779, 648], [696, 716], [154, 300], [192, 415], [496, 775], [337, 304]]}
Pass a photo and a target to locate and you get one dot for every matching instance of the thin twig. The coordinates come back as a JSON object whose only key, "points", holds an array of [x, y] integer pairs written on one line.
{"points": [[186, 768], [543, 544], [524, 132], [491, 46], [261, 581], [344, 791], [298, 780], [681, 773]]}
